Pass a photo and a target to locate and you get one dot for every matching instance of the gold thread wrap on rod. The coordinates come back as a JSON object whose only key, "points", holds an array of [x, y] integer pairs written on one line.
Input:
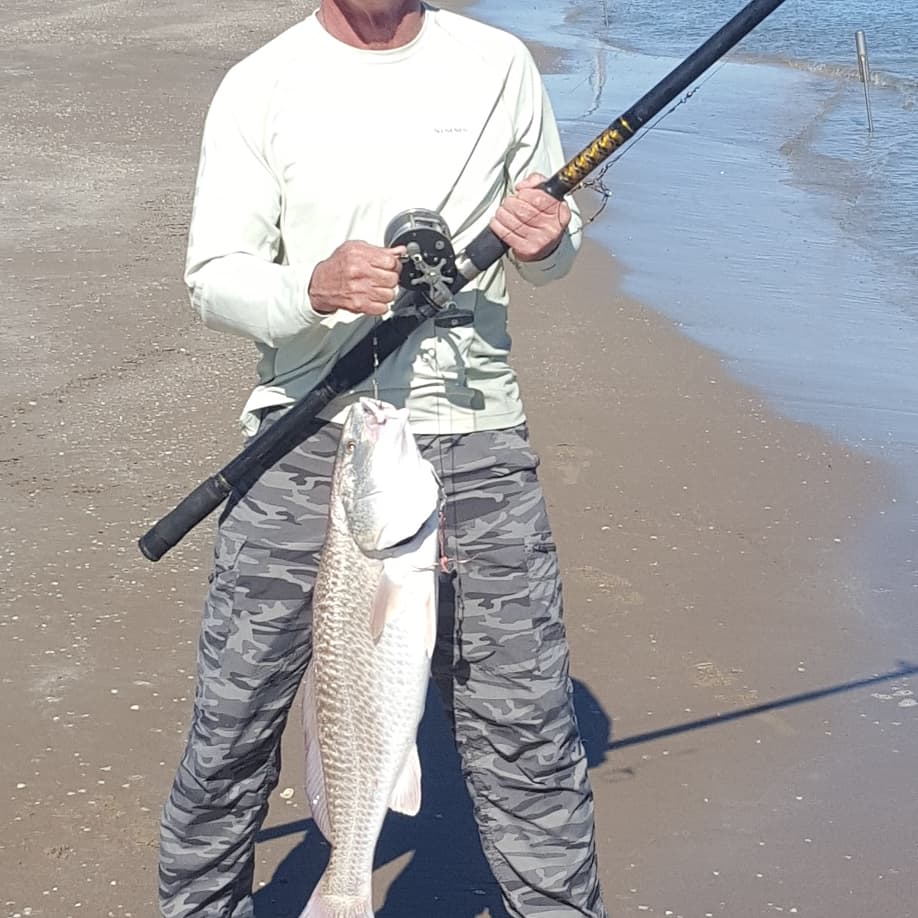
{"points": [[580, 166]]}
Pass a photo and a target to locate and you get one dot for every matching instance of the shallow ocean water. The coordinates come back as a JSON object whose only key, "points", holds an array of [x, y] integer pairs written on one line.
{"points": [[760, 215], [763, 219]]}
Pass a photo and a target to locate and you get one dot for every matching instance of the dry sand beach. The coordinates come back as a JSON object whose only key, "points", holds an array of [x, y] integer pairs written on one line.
{"points": [[723, 641]]}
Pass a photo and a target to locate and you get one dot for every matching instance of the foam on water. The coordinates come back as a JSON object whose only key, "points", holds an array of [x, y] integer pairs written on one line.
{"points": [[817, 31]]}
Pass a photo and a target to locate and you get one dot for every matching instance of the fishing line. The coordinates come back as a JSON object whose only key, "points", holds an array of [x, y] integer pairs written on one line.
{"points": [[597, 184], [450, 516], [450, 507], [375, 376]]}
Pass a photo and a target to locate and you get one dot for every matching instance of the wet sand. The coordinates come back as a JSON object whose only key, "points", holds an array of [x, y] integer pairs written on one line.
{"points": [[712, 551]]}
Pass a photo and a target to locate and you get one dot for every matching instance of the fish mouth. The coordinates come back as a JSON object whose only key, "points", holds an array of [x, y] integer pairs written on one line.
{"points": [[372, 420], [381, 411]]}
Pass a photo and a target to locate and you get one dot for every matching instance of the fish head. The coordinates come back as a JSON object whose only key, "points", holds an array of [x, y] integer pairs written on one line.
{"points": [[387, 489]]}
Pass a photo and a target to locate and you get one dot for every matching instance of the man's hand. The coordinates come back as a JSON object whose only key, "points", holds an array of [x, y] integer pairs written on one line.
{"points": [[531, 221], [357, 277]]}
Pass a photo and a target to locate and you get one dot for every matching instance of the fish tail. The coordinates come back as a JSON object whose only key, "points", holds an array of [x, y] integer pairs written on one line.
{"points": [[324, 906]]}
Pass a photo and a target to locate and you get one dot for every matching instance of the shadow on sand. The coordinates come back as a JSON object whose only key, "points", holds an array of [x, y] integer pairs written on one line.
{"points": [[445, 873]]}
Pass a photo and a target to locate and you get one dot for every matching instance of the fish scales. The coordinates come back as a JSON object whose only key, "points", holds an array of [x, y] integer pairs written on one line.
{"points": [[366, 711], [366, 685]]}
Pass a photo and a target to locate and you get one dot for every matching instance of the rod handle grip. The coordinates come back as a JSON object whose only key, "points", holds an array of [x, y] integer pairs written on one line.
{"points": [[176, 524], [486, 249]]}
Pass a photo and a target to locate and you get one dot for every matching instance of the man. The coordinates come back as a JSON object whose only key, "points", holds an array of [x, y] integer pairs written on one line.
{"points": [[311, 146]]}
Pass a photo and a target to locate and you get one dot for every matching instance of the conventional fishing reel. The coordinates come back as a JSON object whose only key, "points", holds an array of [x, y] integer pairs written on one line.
{"points": [[429, 266]]}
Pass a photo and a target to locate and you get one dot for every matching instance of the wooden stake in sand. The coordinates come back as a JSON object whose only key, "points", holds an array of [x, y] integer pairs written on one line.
{"points": [[864, 66]]}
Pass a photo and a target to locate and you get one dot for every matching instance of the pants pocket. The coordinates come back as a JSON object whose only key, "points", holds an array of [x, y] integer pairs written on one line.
{"points": [[544, 577], [218, 606], [511, 607]]}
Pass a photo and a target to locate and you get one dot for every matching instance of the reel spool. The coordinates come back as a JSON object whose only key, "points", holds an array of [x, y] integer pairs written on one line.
{"points": [[430, 263]]}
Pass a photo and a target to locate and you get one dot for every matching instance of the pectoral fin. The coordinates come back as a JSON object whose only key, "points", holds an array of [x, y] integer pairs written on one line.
{"points": [[386, 604], [430, 621], [406, 797]]}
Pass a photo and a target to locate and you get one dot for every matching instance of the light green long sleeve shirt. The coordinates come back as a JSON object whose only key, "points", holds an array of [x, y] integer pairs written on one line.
{"points": [[310, 142]]}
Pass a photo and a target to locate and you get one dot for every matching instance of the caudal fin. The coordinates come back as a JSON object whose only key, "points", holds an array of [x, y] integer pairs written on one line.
{"points": [[321, 906]]}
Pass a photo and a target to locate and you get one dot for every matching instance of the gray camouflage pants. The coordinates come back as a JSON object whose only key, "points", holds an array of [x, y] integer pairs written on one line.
{"points": [[501, 665]]}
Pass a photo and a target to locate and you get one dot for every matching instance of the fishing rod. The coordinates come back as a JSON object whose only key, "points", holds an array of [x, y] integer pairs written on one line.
{"points": [[432, 274]]}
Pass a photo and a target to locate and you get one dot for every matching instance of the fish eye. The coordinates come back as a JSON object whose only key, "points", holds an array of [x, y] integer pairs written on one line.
{"points": [[351, 445]]}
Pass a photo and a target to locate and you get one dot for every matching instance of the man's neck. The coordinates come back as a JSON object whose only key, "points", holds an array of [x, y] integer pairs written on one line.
{"points": [[374, 25]]}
